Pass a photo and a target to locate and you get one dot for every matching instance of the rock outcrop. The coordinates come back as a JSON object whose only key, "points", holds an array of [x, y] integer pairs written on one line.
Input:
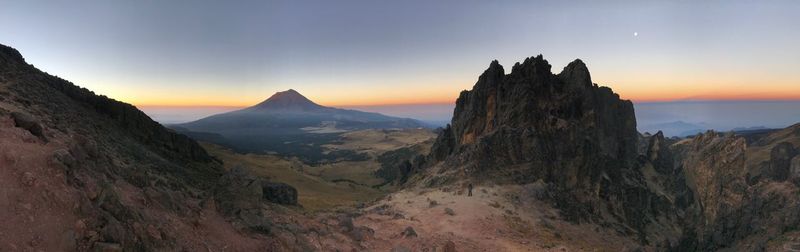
{"points": [[578, 143], [578, 137], [742, 199], [28, 123], [280, 193]]}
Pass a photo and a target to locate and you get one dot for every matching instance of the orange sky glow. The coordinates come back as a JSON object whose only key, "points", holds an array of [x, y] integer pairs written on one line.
{"points": [[645, 96]]}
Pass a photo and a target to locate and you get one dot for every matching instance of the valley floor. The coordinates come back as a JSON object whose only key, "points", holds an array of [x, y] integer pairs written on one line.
{"points": [[499, 218], [314, 192]]}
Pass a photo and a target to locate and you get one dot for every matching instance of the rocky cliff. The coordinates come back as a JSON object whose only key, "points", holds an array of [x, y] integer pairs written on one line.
{"points": [[562, 129], [745, 194], [580, 141]]}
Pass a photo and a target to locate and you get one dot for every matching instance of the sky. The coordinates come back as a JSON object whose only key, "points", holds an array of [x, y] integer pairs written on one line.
{"points": [[366, 53]]}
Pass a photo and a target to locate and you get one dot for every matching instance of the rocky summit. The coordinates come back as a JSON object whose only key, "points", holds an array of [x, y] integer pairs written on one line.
{"points": [[578, 142], [579, 138]]}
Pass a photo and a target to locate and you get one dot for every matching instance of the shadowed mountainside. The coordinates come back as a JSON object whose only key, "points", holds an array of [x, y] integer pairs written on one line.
{"points": [[82, 172]]}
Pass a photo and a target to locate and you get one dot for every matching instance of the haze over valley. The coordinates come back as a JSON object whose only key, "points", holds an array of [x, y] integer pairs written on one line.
{"points": [[674, 118]]}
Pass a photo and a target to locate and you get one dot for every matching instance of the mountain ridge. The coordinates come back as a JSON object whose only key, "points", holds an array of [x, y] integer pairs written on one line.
{"points": [[83, 172]]}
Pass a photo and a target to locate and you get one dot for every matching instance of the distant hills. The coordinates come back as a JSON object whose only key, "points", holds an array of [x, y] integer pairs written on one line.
{"points": [[288, 123], [686, 129], [676, 128]]}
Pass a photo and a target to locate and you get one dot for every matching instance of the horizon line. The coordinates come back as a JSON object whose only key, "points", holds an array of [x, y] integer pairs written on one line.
{"points": [[635, 101]]}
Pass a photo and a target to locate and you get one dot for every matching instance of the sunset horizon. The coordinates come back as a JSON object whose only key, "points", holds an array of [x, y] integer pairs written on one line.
{"points": [[371, 54], [402, 126]]}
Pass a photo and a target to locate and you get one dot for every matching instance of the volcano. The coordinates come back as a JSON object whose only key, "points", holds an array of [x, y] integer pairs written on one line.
{"points": [[287, 123]]}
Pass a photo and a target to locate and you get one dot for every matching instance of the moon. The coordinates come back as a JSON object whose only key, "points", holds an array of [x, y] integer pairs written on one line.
{"points": [[635, 34]]}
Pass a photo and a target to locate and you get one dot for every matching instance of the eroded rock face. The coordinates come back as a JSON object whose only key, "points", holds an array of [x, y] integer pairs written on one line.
{"points": [[780, 161], [575, 136], [579, 141], [742, 201]]}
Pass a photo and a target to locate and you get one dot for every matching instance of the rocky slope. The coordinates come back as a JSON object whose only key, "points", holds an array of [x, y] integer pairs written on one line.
{"points": [[745, 194], [580, 141], [82, 172]]}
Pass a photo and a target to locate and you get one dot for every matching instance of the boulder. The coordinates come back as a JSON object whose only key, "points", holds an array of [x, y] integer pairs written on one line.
{"points": [[279, 193], [28, 123], [409, 232], [346, 222], [361, 233]]}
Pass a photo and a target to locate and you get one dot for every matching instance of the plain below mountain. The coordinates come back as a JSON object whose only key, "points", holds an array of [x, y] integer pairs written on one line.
{"points": [[289, 124]]}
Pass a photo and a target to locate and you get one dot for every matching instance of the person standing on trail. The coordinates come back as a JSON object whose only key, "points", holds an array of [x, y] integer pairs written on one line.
{"points": [[469, 190]]}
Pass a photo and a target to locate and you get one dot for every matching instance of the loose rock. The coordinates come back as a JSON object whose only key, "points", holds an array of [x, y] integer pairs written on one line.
{"points": [[409, 232], [28, 123]]}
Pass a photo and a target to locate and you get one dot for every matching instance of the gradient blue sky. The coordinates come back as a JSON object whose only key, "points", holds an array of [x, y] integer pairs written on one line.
{"points": [[377, 52]]}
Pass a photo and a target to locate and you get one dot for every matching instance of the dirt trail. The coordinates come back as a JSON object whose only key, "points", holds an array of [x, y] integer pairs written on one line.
{"points": [[35, 202]]}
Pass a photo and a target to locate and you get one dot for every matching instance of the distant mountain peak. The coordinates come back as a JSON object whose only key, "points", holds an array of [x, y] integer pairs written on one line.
{"points": [[287, 100]]}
